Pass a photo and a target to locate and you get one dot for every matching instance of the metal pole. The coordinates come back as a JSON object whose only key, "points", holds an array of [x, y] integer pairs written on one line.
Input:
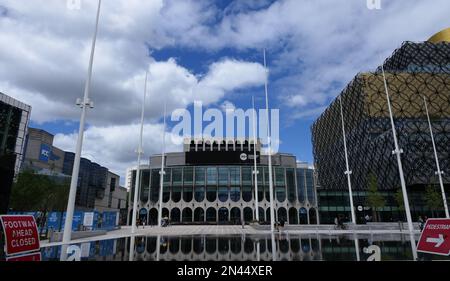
{"points": [[269, 143], [439, 172], [398, 153], [162, 173], [347, 171], [67, 235], [255, 171], [138, 173]]}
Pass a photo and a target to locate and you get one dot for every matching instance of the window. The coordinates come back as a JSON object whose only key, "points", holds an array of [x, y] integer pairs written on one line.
{"points": [[235, 193], [187, 193], [301, 185], [279, 176], [310, 186], [167, 176], [211, 192], [247, 193], [188, 175], [235, 176], [223, 176], [290, 185], [176, 193], [223, 193], [211, 175], [155, 185], [246, 176], [199, 176], [199, 193], [177, 176]]}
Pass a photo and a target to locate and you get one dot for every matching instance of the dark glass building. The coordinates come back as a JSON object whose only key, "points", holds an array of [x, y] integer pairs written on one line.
{"points": [[14, 118], [212, 181], [92, 181], [414, 71]]}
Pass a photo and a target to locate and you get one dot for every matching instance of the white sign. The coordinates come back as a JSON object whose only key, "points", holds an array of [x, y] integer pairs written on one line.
{"points": [[244, 157], [88, 219]]}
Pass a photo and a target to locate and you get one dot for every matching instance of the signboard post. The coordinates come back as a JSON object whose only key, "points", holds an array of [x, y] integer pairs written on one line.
{"points": [[435, 237], [21, 234]]}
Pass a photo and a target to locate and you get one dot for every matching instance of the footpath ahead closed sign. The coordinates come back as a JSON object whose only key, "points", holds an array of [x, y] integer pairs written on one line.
{"points": [[435, 238], [21, 234]]}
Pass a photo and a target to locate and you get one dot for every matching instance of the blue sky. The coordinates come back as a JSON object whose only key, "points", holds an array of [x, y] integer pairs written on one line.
{"points": [[194, 50]]}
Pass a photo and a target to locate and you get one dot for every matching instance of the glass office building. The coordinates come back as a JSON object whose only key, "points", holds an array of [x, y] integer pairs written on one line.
{"points": [[415, 71], [14, 119], [212, 181]]}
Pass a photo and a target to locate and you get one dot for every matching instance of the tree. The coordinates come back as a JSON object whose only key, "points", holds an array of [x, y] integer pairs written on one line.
{"points": [[433, 199], [34, 192], [374, 198]]}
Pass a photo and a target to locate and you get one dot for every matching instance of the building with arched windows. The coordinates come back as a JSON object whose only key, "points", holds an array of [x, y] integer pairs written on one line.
{"points": [[212, 181]]}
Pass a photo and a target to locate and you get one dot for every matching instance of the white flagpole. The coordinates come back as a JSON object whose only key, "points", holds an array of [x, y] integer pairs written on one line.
{"points": [[398, 153], [347, 171], [138, 174], [269, 143], [67, 234], [438, 172], [255, 171], [162, 173]]}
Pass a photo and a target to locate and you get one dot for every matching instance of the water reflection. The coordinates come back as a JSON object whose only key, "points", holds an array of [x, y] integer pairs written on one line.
{"points": [[275, 247]]}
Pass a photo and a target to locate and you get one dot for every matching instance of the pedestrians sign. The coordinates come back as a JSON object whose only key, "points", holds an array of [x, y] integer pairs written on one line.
{"points": [[21, 234], [435, 238]]}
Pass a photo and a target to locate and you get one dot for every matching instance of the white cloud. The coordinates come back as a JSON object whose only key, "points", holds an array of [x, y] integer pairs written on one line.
{"points": [[115, 146]]}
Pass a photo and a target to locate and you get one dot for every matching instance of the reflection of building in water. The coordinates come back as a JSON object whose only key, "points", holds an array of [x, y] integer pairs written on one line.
{"points": [[212, 181], [234, 248]]}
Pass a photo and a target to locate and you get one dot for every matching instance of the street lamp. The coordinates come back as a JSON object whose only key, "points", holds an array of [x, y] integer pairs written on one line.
{"points": [[83, 104]]}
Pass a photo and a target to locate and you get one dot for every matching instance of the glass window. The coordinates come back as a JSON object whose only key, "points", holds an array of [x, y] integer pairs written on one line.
{"points": [[246, 176], [211, 192], [247, 193], [176, 193], [211, 175], [310, 186], [188, 175], [223, 193], [177, 176], [166, 194], [167, 173], [199, 175], [235, 193], [235, 176], [301, 185], [280, 192], [279, 176], [187, 193], [290, 185], [260, 175], [199, 193], [223, 176]]}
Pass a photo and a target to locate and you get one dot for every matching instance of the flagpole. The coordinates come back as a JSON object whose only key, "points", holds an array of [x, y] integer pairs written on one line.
{"points": [[438, 172], [269, 144], [398, 153], [67, 234], [138, 173], [162, 173], [347, 171], [255, 171]]}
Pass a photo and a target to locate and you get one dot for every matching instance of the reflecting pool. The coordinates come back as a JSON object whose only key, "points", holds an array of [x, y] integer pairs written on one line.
{"points": [[278, 247]]}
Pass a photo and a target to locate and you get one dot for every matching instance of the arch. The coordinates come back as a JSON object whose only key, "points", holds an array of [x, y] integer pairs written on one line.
{"points": [[282, 214], [248, 245], [175, 215], [186, 245], [312, 216], [223, 215], [199, 215], [151, 244], [174, 244], [293, 216], [211, 215], [235, 244], [248, 214], [261, 214], [143, 216], [303, 214], [223, 245], [211, 244], [153, 216], [186, 215], [165, 212], [199, 244], [199, 193], [268, 215], [235, 215]]}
